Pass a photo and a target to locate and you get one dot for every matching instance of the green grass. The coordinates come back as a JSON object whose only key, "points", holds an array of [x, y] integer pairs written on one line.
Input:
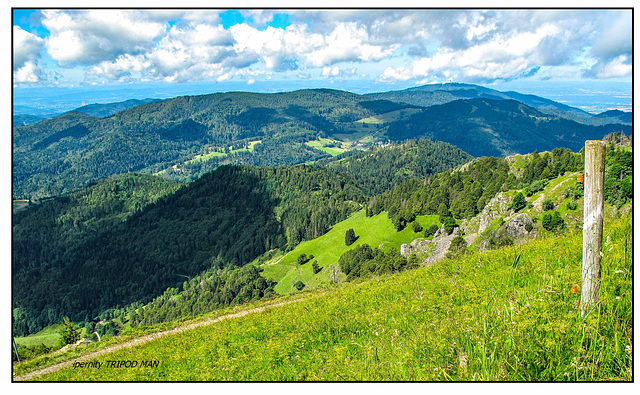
{"points": [[483, 316], [206, 157], [327, 249], [49, 336], [391, 116], [321, 145]]}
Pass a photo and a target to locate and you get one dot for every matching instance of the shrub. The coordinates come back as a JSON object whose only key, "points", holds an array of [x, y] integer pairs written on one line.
{"points": [[69, 334], [299, 285], [416, 227], [547, 204], [552, 222], [431, 230], [316, 267], [519, 202], [449, 225], [572, 205], [458, 246], [534, 187]]}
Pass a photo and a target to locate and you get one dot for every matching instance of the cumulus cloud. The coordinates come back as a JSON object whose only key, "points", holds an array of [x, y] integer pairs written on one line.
{"points": [[87, 37], [26, 47], [396, 45], [26, 52]]}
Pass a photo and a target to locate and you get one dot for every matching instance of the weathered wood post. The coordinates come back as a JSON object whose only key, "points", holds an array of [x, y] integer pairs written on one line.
{"points": [[592, 226]]}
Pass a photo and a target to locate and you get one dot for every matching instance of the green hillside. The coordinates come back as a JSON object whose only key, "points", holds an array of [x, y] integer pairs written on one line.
{"points": [[502, 315], [376, 231]]}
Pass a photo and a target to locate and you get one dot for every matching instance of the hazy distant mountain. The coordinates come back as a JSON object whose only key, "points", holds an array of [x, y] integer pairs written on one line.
{"points": [[434, 94], [103, 110], [25, 119], [616, 115]]}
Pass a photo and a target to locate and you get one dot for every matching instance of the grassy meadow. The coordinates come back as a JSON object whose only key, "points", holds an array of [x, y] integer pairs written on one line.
{"points": [[509, 314], [328, 248]]}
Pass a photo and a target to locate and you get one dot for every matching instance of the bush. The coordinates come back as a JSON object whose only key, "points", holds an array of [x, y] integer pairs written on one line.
{"points": [[575, 192], [299, 285], [458, 246], [431, 230], [416, 227], [552, 222], [69, 334], [534, 187], [316, 267], [572, 205], [449, 225], [519, 202], [547, 204]]}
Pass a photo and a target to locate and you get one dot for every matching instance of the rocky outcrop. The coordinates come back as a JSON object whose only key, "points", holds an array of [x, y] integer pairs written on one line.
{"points": [[496, 207], [516, 227]]}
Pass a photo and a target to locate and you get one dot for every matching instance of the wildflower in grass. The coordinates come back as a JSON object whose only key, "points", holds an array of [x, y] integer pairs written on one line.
{"points": [[575, 289]]}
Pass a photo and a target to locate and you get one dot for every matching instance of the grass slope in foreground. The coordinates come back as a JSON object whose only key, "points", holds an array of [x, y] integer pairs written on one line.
{"points": [[506, 314]]}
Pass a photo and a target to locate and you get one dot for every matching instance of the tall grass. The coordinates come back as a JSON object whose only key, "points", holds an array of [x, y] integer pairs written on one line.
{"points": [[508, 314]]}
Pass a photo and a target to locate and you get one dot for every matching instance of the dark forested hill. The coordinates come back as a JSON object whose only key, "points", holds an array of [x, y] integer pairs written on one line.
{"points": [[484, 127], [386, 166], [119, 241]]}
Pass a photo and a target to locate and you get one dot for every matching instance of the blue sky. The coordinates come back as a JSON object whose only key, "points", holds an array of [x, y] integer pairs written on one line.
{"points": [[172, 50]]}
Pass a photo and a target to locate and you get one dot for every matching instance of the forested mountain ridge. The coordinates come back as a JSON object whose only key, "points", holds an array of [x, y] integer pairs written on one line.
{"points": [[434, 94], [154, 136], [103, 110], [185, 137], [224, 219], [377, 170], [484, 127]]}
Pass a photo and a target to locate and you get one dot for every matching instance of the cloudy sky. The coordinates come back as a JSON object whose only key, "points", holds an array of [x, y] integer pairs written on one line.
{"points": [[104, 47]]}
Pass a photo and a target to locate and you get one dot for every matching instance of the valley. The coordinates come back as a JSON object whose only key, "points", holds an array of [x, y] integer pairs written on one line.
{"points": [[135, 222]]}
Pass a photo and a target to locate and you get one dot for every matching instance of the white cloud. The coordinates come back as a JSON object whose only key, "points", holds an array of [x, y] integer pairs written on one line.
{"points": [[391, 74], [397, 45], [223, 77], [26, 47], [615, 39], [86, 37], [29, 72], [618, 67], [348, 43], [330, 72]]}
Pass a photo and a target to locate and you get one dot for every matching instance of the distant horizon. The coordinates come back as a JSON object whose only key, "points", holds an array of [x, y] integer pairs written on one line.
{"points": [[592, 96], [62, 57]]}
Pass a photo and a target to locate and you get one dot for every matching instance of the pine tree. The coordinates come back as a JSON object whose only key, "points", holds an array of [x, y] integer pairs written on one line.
{"points": [[350, 237], [69, 334]]}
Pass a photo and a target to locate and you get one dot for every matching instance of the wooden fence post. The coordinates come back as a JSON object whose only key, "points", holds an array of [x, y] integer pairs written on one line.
{"points": [[592, 226]]}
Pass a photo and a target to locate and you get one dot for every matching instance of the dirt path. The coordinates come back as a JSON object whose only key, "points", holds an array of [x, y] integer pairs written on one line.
{"points": [[538, 202], [146, 339]]}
